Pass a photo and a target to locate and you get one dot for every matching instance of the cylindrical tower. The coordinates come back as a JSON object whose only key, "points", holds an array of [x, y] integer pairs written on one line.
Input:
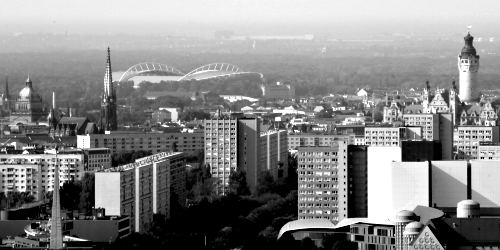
{"points": [[468, 209], [468, 65], [402, 219], [411, 232]]}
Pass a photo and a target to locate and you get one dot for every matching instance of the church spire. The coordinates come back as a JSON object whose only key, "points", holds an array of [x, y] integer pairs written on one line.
{"points": [[56, 238], [108, 104], [108, 78], [6, 95]]}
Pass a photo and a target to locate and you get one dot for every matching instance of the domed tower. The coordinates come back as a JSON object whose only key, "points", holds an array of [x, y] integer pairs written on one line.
{"points": [[402, 219], [468, 209], [28, 108], [411, 232], [468, 65]]}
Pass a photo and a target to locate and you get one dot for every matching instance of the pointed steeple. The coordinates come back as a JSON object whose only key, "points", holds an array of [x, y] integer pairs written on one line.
{"points": [[6, 94], [108, 78], [52, 113], [56, 237], [53, 100], [108, 104]]}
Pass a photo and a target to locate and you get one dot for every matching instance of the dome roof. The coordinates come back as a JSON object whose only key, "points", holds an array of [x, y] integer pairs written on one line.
{"points": [[405, 216], [468, 203], [26, 93], [413, 228]]}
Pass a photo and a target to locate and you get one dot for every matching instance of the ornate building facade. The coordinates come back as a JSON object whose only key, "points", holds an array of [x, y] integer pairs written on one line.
{"points": [[28, 108]]}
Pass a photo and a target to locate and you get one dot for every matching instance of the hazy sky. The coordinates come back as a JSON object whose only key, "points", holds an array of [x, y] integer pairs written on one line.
{"points": [[244, 16]]}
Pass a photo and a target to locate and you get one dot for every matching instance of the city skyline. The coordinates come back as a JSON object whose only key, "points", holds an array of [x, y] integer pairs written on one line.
{"points": [[326, 125]]}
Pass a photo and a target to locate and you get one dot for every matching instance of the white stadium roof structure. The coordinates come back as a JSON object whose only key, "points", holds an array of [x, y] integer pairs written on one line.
{"points": [[213, 70], [148, 68]]}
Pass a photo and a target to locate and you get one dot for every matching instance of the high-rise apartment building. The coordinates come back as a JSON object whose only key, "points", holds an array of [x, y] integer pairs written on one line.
{"points": [[35, 173], [221, 150], [274, 152], [151, 185], [238, 143], [322, 174]]}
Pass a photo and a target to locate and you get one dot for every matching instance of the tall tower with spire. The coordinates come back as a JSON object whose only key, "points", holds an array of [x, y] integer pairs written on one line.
{"points": [[468, 66], [6, 100], [52, 118], [108, 102]]}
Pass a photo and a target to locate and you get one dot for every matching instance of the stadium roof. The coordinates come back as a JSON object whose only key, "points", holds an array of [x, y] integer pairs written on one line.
{"points": [[212, 70]]}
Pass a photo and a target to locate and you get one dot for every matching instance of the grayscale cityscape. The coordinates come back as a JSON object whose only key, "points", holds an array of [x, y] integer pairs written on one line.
{"points": [[246, 124]]}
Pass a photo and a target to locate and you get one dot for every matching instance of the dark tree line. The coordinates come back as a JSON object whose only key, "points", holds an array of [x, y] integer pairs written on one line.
{"points": [[15, 199], [79, 195]]}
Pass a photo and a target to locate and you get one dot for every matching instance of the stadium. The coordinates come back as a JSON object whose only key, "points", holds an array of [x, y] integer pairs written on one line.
{"points": [[158, 72]]}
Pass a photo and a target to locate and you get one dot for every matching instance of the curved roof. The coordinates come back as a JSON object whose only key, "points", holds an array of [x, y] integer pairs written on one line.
{"points": [[413, 228], [306, 224], [213, 70], [208, 71], [405, 216], [325, 224], [149, 67], [468, 204]]}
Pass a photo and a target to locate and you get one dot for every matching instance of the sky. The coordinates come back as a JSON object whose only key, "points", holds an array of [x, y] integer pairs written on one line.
{"points": [[247, 16]]}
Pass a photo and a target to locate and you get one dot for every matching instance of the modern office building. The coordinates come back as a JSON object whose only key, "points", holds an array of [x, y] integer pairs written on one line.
{"points": [[483, 186], [322, 191], [317, 140], [380, 161], [444, 183], [467, 139], [151, 185], [408, 188], [124, 141]]}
